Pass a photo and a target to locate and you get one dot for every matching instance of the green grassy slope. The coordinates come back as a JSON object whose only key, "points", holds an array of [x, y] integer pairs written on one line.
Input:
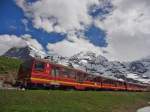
{"points": [[9, 65], [71, 101]]}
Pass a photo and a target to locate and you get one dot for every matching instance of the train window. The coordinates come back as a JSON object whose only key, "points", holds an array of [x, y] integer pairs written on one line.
{"points": [[39, 66], [120, 84], [72, 74], [86, 76], [107, 81], [111, 82], [89, 78], [65, 72], [104, 81], [96, 79], [80, 77]]}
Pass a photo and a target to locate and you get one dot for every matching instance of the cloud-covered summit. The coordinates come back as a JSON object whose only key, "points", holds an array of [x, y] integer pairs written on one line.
{"points": [[9, 41]]}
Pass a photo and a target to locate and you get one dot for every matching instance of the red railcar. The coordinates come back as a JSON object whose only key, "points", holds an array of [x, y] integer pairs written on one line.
{"points": [[41, 72]]}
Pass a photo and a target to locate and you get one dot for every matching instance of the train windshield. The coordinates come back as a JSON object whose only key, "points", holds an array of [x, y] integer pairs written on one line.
{"points": [[39, 66]]}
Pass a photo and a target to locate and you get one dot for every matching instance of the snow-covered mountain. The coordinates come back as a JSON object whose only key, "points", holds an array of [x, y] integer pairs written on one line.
{"points": [[24, 52], [99, 65], [141, 68], [137, 71]]}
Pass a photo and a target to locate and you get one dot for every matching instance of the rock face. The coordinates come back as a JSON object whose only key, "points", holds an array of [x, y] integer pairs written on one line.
{"points": [[21, 53], [24, 52], [137, 71]]}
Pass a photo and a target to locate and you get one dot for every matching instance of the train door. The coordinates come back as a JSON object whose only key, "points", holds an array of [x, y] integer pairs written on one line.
{"points": [[125, 85], [80, 78], [55, 73]]}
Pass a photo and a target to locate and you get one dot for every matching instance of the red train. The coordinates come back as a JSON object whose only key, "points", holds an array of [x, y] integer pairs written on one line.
{"points": [[43, 73]]}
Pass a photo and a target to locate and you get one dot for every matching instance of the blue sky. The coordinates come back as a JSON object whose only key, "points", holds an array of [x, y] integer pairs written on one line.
{"points": [[12, 18], [120, 27], [11, 21]]}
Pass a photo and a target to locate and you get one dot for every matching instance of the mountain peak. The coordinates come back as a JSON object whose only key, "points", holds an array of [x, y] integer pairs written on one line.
{"points": [[24, 52]]}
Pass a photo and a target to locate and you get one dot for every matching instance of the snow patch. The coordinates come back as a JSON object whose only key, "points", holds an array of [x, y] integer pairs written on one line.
{"points": [[132, 75], [145, 109]]}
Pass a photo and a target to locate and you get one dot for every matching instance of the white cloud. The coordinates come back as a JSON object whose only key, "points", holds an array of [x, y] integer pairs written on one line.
{"points": [[127, 26], [25, 23], [9, 41], [58, 15], [128, 29], [73, 46], [32, 42], [65, 16]]}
